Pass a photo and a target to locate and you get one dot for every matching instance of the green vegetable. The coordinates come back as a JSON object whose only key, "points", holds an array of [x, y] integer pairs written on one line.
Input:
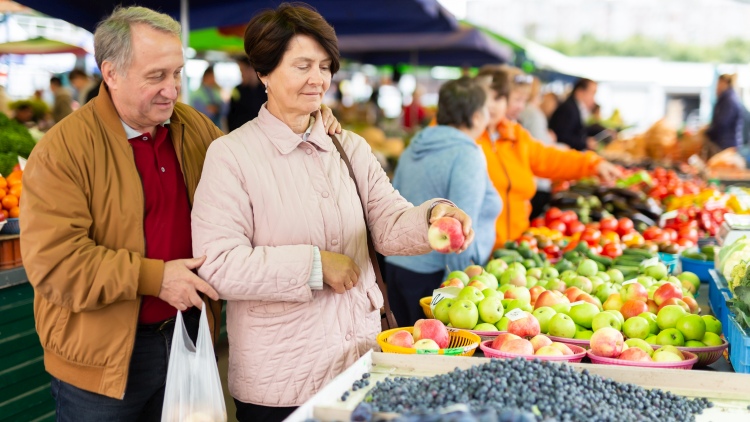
{"points": [[740, 305]]}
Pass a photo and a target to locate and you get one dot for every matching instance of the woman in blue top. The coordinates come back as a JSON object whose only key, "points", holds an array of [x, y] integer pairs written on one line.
{"points": [[444, 161]]}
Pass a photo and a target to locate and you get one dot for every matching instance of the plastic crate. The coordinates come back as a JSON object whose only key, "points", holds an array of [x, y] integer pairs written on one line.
{"points": [[671, 261], [11, 227], [739, 346], [718, 294], [700, 268]]}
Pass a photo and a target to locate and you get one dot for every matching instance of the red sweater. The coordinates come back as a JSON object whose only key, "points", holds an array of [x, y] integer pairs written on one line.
{"points": [[166, 220]]}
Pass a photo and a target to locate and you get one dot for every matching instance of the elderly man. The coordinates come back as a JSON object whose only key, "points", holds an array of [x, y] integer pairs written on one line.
{"points": [[106, 227]]}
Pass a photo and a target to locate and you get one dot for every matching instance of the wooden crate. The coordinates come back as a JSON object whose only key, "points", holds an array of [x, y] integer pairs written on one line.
{"points": [[10, 252], [729, 392]]}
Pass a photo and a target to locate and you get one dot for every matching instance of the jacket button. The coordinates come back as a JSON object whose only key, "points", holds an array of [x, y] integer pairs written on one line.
{"points": [[348, 336], [308, 151], [293, 281], [325, 194], [334, 242]]}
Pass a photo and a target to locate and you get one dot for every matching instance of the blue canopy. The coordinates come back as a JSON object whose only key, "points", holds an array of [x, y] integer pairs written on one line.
{"points": [[463, 47], [346, 16]]}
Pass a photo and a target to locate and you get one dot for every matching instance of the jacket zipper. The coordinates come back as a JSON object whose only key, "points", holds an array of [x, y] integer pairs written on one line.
{"points": [[507, 192]]}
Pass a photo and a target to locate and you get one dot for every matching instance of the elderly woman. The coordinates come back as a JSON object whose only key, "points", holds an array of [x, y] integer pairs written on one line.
{"points": [[285, 233], [445, 161]]}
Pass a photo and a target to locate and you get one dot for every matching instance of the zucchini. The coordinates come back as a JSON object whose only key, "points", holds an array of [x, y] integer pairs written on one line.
{"points": [[638, 252]]}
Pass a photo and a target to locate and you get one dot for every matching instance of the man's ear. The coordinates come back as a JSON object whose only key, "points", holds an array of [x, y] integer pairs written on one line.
{"points": [[109, 74]]}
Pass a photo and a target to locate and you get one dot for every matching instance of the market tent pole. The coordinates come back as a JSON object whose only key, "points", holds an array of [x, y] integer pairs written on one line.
{"points": [[185, 22]]}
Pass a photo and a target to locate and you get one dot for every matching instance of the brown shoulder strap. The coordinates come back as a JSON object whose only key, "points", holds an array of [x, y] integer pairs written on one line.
{"points": [[389, 321]]}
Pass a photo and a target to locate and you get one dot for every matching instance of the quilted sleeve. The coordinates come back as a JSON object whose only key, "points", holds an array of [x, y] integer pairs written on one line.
{"points": [[222, 222]]}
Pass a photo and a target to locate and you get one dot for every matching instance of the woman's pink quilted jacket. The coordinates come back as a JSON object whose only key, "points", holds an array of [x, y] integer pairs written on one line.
{"points": [[265, 198]]}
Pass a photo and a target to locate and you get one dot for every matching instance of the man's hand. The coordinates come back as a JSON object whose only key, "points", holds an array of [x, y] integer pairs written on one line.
{"points": [[339, 271], [607, 171], [180, 286], [329, 120], [592, 144], [445, 210]]}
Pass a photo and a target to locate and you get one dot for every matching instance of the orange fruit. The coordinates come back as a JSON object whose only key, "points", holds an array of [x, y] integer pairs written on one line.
{"points": [[2, 193], [10, 202], [15, 190], [14, 212], [5, 213], [14, 182], [3, 183], [15, 176]]}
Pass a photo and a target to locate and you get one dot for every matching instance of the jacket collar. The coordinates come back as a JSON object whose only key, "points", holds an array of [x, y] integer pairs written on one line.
{"points": [[285, 140]]}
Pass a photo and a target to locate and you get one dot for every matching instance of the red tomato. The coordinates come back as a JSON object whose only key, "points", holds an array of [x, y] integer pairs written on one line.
{"points": [[553, 214], [591, 236], [531, 240], [553, 251], [537, 222], [672, 233], [651, 233], [685, 243], [624, 226], [597, 249], [594, 225], [575, 227], [609, 237], [689, 233], [612, 250], [608, 224], [557, 225], [568, 217]]}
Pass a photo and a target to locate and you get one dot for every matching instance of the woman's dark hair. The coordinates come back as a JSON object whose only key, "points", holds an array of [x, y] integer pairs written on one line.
{"points": [[458, 101], [268, 33], [499, 80]]}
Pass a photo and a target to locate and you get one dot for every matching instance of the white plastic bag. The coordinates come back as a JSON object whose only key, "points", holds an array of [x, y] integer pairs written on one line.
{"points": [[193, 392]]}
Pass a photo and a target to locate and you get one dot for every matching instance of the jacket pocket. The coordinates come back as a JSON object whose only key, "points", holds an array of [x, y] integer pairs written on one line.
{"points": [[375, 297], [274, 309], [58, 329]]}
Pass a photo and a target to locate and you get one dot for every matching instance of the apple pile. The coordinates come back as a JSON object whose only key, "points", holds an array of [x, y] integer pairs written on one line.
{"points": [[539, 345], [429, 335], [610, 343]]}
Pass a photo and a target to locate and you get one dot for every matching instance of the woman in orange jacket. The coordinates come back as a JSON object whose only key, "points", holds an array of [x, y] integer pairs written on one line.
{"points": [[514, 157]]}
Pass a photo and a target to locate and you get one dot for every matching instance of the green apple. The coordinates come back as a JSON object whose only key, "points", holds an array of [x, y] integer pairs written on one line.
{"points": [[651, 339], [561, 308], [534, 272], [562, 325], [489, 280], [605, 319], [595, 282], [518, 267], [491, 309], [555, 284], [711, 339], [691, 278], [665, 356], [502, 325], [582, 283], [652, 289], [651, 318], [464, 314], [441, 310], [616, 276], [506, 302], [492, 293], [603, 291], [587, 268], [485, 327], [645, 281], [496, 267], [604, 276], [531, 281], [618, 314], [713, 325], [471, 294], [459, 275], [658, 271], [670, 336], [667, 316], [583, 314], [504, 287], [548, 273], [544, 314], [641, 344], [583, 335], [567, 276], [513, 277], [694, 343], [518, 293], [519, 304], [636, 327], [691, 326]]}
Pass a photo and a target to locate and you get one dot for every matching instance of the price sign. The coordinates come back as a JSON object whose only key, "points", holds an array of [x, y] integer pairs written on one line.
{"points": [[516, 314], [440, 294]]}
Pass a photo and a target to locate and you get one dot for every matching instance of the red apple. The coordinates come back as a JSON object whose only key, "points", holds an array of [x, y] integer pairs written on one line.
{"points": [[540, 341], [562, 347], [635, 354], [478, 284], [498, 342], [634, 291], [432, 329], [519, 346], [549, 298], [572, 293], [454, 282], [473, 270], [535, 292], [652, 306], [401, 338], [446, 235], [665, 292], [678, 302], [528, 326], [590, 299], [692, 304], [607, 342], [633, 308]]}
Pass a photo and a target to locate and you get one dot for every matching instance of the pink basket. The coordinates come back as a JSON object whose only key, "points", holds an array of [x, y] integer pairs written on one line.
{"points": [[586, 344], [578, 354], [690, 360], [484, 335], [706, 355]]}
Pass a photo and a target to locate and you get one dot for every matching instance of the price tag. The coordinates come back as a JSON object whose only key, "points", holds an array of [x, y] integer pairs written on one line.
{"points": [[22, 163], [650, 262], [444, 293], [631, 281], [576, 303], [667, 216], [516, 314]]}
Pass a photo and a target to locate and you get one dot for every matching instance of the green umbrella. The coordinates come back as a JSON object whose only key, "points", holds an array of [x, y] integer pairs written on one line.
{"points": [[211, 39], [40, 45]]}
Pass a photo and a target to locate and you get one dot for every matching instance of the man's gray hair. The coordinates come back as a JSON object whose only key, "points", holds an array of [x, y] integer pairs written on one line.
{"points": [[113, 41]]}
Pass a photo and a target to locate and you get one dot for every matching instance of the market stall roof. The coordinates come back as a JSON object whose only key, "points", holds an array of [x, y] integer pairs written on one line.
{"points": [[463, 47], [40, 45], [346, 16]]}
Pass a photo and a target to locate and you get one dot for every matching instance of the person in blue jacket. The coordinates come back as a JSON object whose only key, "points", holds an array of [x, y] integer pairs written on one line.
{"points": [[728, 120], [444, 161]]}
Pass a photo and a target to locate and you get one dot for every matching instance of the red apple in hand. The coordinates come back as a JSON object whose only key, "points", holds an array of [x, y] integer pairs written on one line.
{"points": [[446, 235]]}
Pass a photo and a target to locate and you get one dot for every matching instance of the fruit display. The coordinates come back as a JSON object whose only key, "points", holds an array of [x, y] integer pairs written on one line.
{"points": [[428, 336], [592, 202], [10, 194], [509, 345], [549, 390]]}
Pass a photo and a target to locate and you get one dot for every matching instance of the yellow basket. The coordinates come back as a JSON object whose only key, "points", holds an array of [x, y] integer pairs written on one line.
{"points": [[425, 303], [463, 343]]}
